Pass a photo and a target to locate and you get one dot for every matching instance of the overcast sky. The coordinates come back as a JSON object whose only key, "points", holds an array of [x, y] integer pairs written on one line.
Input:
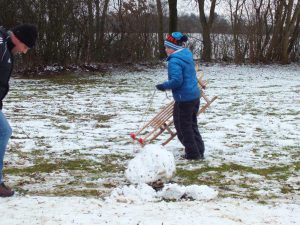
{"points": [[189, 6]]}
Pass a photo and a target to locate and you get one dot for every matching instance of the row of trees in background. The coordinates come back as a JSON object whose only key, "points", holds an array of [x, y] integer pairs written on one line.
{"points": [[271, 29], [85, 31]]}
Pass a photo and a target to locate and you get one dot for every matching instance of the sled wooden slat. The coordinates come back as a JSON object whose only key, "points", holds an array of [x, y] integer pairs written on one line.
{"points": [[202, 110], [157, 120], [163, 121]]}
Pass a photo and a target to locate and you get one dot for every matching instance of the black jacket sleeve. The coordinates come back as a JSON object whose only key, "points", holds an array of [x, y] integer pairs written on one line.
{"points": [[5, 68]]}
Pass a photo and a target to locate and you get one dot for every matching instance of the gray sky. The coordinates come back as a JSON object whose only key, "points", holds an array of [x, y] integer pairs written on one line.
{"points": [[189, 6]]}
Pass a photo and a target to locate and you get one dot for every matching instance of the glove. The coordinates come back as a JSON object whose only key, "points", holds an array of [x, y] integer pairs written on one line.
{"points": [[160, 87]]}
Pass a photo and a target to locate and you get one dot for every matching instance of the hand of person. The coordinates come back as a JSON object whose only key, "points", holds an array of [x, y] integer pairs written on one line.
{"points": [[160, 87]]}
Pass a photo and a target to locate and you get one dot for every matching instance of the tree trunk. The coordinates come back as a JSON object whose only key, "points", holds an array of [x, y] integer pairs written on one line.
{"points": [[162, 53], [102, 28], [277, 31], [236, 23], [172, 15], [97, 26], [207, 47], [295, 35], [290, 25], [206, 28], [90, 44]]}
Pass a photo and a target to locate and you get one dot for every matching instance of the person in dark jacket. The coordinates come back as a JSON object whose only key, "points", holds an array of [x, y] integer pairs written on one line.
{"points": [[182, 80], [18, 40]]}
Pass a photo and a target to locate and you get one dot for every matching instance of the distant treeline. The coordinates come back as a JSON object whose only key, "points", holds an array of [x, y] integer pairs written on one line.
{"points": [[95, 31]]}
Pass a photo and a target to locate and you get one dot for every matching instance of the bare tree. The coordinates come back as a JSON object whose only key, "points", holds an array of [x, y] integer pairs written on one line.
{"points": [[284, 26], [258, 28], [160, 30], [78, 31], [100, 27], [206, 24], [293, 41], [289, 29], [172, 15], [90, 39], [236, 16]]}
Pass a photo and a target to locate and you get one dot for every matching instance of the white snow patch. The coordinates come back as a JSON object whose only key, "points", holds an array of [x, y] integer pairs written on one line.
{"points": [[195, 192], [202, 192], [172, 192], [75, 210], [131, 193]]}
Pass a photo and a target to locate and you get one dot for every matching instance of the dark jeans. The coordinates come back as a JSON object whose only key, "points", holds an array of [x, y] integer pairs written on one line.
{"points": [[185, 121]]}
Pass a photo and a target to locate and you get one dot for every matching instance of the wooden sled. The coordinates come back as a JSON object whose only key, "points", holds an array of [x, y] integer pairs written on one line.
{"points": [[163, 120]]}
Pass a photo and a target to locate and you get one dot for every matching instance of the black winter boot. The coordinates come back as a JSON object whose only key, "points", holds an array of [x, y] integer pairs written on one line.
{"points": [[5, 191]]}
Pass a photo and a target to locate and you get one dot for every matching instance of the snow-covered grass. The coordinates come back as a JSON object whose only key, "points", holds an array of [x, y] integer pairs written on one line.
{"points": [[71, 138]]}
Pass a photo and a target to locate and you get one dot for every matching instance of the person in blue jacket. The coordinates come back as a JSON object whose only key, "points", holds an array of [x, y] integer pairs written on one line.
{"points": [[18, 40], [183, 82]]}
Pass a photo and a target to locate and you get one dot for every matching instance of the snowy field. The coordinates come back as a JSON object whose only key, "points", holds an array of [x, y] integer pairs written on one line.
{"points": [[71, 146]]}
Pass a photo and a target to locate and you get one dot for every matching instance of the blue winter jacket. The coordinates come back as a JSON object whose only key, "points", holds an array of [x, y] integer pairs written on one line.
{"points": [[182, 76]]}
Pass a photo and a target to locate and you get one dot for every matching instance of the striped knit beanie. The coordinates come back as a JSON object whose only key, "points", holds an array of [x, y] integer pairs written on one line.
{"points": [[175, 40]]}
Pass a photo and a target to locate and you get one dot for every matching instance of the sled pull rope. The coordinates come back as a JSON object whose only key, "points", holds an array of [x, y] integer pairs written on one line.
{"points": [[149, 106], [132, 135]]}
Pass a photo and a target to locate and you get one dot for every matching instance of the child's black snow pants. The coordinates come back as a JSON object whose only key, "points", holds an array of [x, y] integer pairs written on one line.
{"points": [[185, 121]]}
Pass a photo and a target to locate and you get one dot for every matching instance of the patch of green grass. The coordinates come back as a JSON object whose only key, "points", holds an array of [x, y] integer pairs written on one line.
{"points": [[120, 91], [62, 127], [71, 78], [234, 145], [37, 152], [295, 155], [82, 117], [229, 135], [21, 191], [230, 195], [109, 165], [244, 185], [290, 148], [252, 196], [297, 165], [272, 114], [262, 202], [292, 112], [102, 126], [287, 189], [73, 192], [109, 185], [195, 175], [102, 118], [273, 155]]}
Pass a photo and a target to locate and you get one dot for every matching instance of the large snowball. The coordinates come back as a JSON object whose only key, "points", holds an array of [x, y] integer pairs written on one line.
{"points": [[151, 164]]}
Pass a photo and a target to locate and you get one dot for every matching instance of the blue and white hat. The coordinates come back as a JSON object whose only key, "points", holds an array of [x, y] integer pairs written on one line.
{"points": [[175, 40]]}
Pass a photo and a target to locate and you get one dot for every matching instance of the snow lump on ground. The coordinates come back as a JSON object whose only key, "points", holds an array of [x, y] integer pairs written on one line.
{"points": [[154, 163]]}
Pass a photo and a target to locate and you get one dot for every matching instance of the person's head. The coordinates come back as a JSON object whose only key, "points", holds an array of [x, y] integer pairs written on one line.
{"points": [[23, 37], [174, 42]]}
